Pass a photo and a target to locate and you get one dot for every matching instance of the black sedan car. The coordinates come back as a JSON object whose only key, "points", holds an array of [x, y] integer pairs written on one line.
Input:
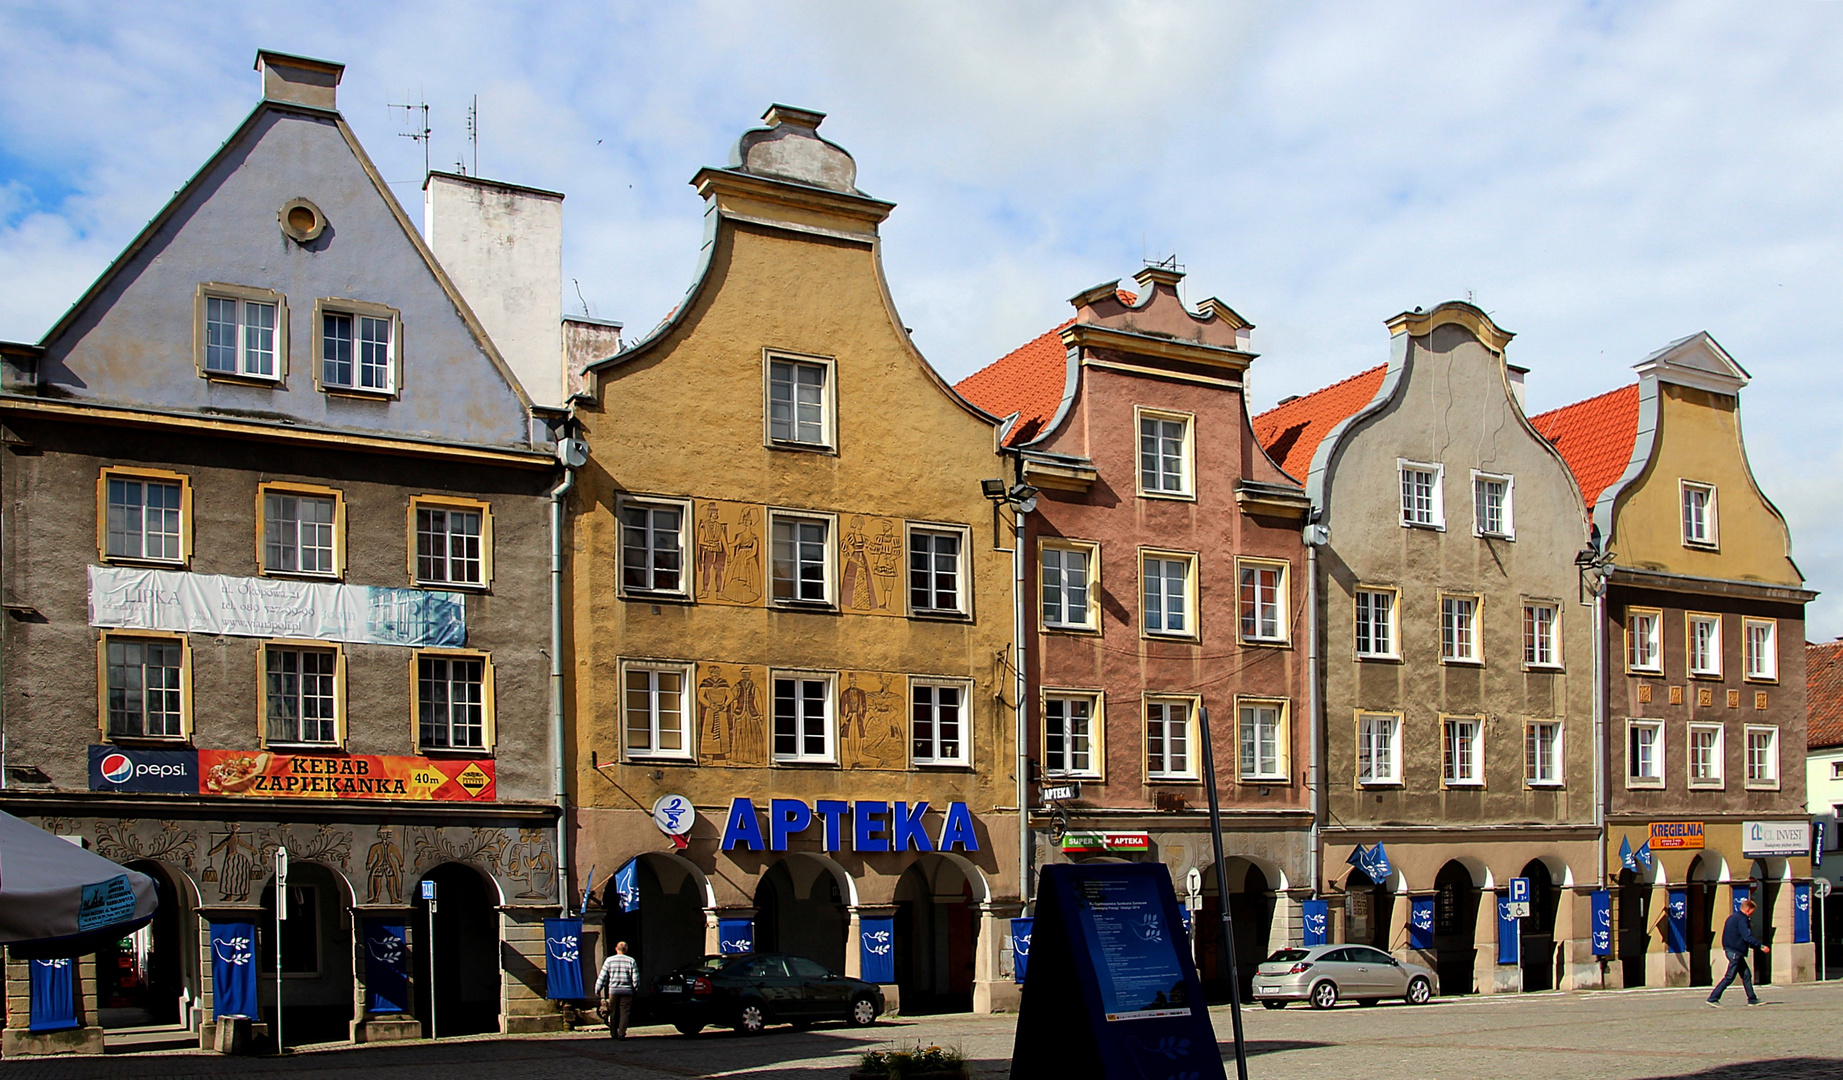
{"points": [[751, 991]]}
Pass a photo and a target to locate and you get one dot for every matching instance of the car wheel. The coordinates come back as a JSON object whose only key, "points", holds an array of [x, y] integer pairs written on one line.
{"points": [[1324, 995], [1420, 992], [685, 1028], [752, 1018], [863, 1012], [1273, 1004]]}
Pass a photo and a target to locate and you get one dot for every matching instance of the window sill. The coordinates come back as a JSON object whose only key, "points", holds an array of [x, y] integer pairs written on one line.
{"points": [[1545, 785], [297, 575], [1451, 661], [136, 560], [148, 740], [1708, 785], [635, 758], [816, 606], [241, 379], [1426, 526], [1761, 680], [457, 751], [801, 447], [1161, 635], [1511, 537], [1265, 781], [1069, 629], [641, 596], [1762, 785], [942, 766], [1552, 669], [941, 616], [1710, 676], [305, 747], [1173, 779], [1379, 783], [360, 392], [1702, 545], [804, 763], [1463, 785], [1050, 774], [451, 586], [1381, 658], [1644, 785], [1169, 496], [1267, 643], [1645, 672]]}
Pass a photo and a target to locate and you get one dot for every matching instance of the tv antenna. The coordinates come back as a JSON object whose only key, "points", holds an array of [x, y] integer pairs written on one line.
{"points": [[420, 135], [1169, 263], [473, 135]]}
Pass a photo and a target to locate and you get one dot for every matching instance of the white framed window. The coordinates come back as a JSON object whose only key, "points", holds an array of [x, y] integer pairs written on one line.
{"points": [[937, 570], [1168, 580], [657, 706], [803, 730], [1071, 735], [1705, 755], [1542, 634], [451, 541], [1376, 631], [1263, 741], [146, 684], [653, 546], [1168, 738], [454, 700], [937, 721], [1762, 638], [800, 403], [1704, 637], [1493, 499], [1644, 753], [802, 559], [1263, 600], [143, 515], [1459, 630], [1542, 753], [1165, 453], [1762, 756], [1699, 521], [303, 691], [1462, 751], [301, 530], [1643, 651], [1378, 748], [1422, 504], [241, 332], [1068, 583], [358, 346]]}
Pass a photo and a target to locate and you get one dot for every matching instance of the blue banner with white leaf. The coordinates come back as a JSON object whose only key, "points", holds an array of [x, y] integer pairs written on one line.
{"points": [[1509, 938], [1676, 926], [735, 936], [563, 959], [1374, 862], [627, 887], [1741, 893], [53, 995], [1020, 947], [233, 969], [1317, 921], [387, 966], [877, 949], [1420, 923], [1601, 901], [1801, 914]]}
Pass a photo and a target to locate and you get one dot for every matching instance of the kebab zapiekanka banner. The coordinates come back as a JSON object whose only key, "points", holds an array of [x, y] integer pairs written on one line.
{"points": [[348, 776]]}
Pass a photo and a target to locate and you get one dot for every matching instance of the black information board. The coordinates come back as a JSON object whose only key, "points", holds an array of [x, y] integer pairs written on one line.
{"points": [[1111, 992]]}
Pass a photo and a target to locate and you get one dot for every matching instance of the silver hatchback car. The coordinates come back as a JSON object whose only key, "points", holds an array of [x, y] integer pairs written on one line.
{"points": [[1324, 973]]}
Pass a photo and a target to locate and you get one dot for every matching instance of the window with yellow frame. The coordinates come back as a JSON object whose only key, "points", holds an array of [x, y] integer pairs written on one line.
{"points": [[1069, 587], [300, 530], [143, 516], [303, 697], [452, 690], [146, 686], [450, 542]]}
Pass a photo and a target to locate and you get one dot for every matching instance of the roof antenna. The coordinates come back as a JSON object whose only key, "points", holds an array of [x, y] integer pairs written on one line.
{"points": [[422, 135], [580, 300], [473, 130]]}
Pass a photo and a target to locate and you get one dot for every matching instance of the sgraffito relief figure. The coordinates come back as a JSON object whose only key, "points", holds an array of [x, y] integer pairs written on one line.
{"points": [[886, 561], [870, 726], [713, 551], [384, 869], [743, 574], [751, 736], [237, 869], [854, 554], [716, 711]]}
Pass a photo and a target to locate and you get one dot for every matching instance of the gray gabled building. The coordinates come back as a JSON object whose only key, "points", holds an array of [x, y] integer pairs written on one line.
{"points": [[276, 569]]}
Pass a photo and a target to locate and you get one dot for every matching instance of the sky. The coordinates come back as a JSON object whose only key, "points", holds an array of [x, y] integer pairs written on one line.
{"points": [[1602, 178]]}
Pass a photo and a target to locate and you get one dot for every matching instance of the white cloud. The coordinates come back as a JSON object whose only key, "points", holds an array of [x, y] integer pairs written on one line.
{"points": [[1605, 178]]}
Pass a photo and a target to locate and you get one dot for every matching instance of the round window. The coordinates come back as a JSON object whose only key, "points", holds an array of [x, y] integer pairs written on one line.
{"points": [[301, 220]]}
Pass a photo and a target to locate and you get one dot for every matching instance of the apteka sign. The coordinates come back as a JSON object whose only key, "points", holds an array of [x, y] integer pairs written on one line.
{"points": [[874, 825]]}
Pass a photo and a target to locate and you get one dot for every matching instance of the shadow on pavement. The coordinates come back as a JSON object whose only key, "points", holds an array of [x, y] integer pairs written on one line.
{"points": [[1258, 1047], [1799, 1068]]}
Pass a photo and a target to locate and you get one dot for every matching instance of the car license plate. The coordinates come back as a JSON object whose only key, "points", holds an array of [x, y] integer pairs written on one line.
{"points": [[671, 989], [1266, 989]]}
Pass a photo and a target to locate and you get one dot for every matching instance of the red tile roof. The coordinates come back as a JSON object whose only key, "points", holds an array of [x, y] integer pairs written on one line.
{"points": [[1594, 437], [1291, 431], [1824, 695], [1027, 381]]}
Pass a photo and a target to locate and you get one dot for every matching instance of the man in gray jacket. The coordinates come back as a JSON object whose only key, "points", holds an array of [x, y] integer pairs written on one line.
{"points": [[1736, 938], [616, 985]]}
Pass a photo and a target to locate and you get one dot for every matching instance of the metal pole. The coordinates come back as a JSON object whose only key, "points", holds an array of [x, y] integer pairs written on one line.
{"points": [[1222, 894], [281, 912], [429, 950], [1021, 689]]}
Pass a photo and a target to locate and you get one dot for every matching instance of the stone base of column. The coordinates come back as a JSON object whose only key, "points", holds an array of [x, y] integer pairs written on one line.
{"points": [[18, 1042], [1799, 964], [1676, 969], [379, 1029], [892, 999], [239, 1037], [538, 1024], [996, 996], [1505, 979]]}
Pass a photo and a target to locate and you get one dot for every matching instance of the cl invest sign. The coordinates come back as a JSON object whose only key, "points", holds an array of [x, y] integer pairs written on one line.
{"points": [[873, 825]]}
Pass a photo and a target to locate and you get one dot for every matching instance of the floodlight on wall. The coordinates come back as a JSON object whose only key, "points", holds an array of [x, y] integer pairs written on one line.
{"points": [[1023, 496], [992, 489]]}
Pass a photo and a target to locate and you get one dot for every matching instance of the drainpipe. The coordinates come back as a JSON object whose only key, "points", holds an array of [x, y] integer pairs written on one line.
{"points": [[1599, 724], [1023, 710], [1312, 703], [558, 499]]}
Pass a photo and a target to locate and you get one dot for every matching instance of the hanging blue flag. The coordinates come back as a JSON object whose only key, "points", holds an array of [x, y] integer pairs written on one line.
{"points": [[1625, 854], [1509, 934], [1317, 921], [627, 885], [1644, 854], [1374, 862], [233, 969], [1801, 914], [1602, 932], [1676, 927], [53, 999], [588, 888], [877, 949], [735, 936], [1420, 923], [1817, 843], [563, 959], [387, 967]]}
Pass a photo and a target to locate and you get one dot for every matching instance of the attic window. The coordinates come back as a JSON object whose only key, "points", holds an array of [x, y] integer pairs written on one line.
{"points": [[301, 220]]}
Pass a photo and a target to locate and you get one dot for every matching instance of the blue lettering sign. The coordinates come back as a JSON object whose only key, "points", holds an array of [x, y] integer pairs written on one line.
{"points": [[832, 810], [909, 828], [866, 825], [786, 817], [958, 829], [742, 827]]}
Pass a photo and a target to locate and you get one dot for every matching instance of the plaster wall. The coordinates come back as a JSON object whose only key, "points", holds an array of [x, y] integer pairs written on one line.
{"points": [[1452, 405]]}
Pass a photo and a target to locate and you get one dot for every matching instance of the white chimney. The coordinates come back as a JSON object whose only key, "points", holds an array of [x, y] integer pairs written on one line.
{"points": [[502, 246], [1515, 375]]}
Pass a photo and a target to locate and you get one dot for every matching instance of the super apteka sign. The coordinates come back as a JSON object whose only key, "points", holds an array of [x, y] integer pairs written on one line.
{"points": [[1111, 990]]}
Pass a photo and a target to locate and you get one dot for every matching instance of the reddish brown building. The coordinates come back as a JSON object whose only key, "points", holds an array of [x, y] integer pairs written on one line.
{"points": [[1165, 581]]}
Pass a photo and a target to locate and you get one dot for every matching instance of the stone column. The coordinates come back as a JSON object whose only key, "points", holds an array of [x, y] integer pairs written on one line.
{"points": [[523, 1004], [1489, 976], [1785, 954], [207, 1000], [1288, 926], [854, 952], [1401, 906], [1662, 968], [380, 1027], [1580, 968], [18, 1040], [995, 989]]}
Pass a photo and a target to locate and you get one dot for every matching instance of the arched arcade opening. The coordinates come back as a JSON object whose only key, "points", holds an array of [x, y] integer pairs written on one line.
{"points": [[1455, 928], [151, 976], [937, 934], [457, 958], [666, 931], [315, 953], [801, 908], [1251, 907]]}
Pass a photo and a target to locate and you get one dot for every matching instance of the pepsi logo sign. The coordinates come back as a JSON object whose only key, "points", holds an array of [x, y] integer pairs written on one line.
{"points": [[117, 769], [171, 771]]}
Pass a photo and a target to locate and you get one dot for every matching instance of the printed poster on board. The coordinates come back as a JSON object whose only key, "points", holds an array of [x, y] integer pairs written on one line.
{"points": [[178, 602]]}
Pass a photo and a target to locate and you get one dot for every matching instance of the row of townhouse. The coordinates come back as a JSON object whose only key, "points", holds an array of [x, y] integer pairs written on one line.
{"points": [[329, 535]]}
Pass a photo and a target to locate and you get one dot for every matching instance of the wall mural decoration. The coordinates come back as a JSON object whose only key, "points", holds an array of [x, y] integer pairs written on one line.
{"points": [[238, 863], [870, 565], [870, 714], [730, 552], [119, 841], [533, 864], [384, 869], [732, 712]]}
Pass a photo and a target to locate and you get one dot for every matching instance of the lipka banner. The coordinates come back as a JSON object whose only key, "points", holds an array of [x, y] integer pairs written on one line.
{"points": [[127, 598]]}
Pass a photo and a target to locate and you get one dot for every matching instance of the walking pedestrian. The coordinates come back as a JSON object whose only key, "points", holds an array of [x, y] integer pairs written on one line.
{"points": [[615, 986], [1736, 938]]}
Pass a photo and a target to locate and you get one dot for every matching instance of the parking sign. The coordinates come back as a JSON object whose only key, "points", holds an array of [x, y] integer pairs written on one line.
{"points": [[1519, 898]]}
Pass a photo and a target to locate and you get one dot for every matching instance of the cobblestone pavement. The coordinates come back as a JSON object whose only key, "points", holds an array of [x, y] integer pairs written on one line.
{"points": [[1633, 1035]]}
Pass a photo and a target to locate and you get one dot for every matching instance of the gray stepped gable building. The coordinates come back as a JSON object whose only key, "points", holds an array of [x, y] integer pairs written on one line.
{"points": [[276, 392], [1456, 682]]}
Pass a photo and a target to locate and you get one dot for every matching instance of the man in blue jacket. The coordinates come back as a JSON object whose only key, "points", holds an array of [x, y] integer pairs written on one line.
{"points": [[1736, 938]]}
